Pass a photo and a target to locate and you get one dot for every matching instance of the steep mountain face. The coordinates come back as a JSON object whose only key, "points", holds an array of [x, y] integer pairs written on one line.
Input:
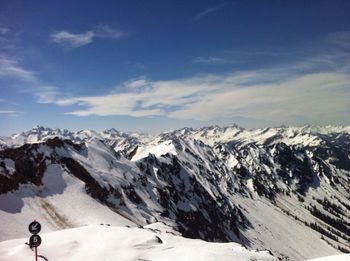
{"points": [[281, 189]]}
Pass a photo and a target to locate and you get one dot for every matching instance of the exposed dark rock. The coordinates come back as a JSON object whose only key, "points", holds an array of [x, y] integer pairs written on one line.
{"points": [[92, 186], [132, 153]]}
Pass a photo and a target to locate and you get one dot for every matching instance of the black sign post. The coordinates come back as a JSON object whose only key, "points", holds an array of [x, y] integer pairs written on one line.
{"points": [[34, 227], [35, 240]]}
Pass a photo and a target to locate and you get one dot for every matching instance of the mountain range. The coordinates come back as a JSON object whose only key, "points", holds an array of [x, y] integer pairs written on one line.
{"points": [[283, 190]]}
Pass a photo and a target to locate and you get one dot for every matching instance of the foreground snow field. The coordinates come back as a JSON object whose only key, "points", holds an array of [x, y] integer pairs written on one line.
{"points": [[124, 243], [345, 257]]}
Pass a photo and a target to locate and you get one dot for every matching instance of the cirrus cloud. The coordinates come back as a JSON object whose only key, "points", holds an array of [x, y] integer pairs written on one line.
{"points": [[68, 39], [3, 30], [73, 40], [276, 94], [7, 112], [341, 38], [10, 68], [209, 11]]}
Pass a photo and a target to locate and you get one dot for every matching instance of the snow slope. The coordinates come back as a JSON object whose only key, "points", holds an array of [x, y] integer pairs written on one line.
{"points": [[60, 203], [333, 258], [91, 243]]}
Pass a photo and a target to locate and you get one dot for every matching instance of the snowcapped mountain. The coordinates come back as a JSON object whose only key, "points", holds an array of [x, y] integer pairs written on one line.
{"points": [[37, 134], [281, 189]]}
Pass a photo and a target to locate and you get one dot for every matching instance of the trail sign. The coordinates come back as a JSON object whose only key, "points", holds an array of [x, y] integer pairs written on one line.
{"points": [[34, 241], [34, 227]]}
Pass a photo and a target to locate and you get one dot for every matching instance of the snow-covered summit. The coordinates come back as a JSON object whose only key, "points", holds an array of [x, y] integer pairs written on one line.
{"points": [[35, 135]]}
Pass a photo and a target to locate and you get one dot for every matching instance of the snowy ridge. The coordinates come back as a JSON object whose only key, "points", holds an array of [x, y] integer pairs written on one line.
{"points": [[126, 244], [112, 137], [282, 189], [305, 135]]}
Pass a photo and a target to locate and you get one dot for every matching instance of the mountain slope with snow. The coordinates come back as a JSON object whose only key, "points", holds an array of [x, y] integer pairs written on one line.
{"points": [[281, 189], [59, 203], [344, 257], [125, 244]]}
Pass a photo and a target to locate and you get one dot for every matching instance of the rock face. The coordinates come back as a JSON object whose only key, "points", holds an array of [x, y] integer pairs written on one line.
{"points": [[281, 189]]}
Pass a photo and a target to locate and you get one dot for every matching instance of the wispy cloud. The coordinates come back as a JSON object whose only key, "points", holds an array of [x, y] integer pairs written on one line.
{"points": [[314, 96], [45, 93], [315, 89], [3, 30], [7, 112], [279, 94], [341, 39], [72, 40], [105, 31], [10, 68], [209, 11], [68, 39], [137, 83], [8, 39], [211, 60]]}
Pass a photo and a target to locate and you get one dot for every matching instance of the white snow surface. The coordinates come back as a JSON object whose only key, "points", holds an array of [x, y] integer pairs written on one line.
{"points": [[61, 203], [110, 243], [156, 148], [273, 226], [345, 257]]}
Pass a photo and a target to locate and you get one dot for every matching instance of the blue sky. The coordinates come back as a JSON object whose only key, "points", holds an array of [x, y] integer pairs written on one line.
{"points": [[153, 66]]}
